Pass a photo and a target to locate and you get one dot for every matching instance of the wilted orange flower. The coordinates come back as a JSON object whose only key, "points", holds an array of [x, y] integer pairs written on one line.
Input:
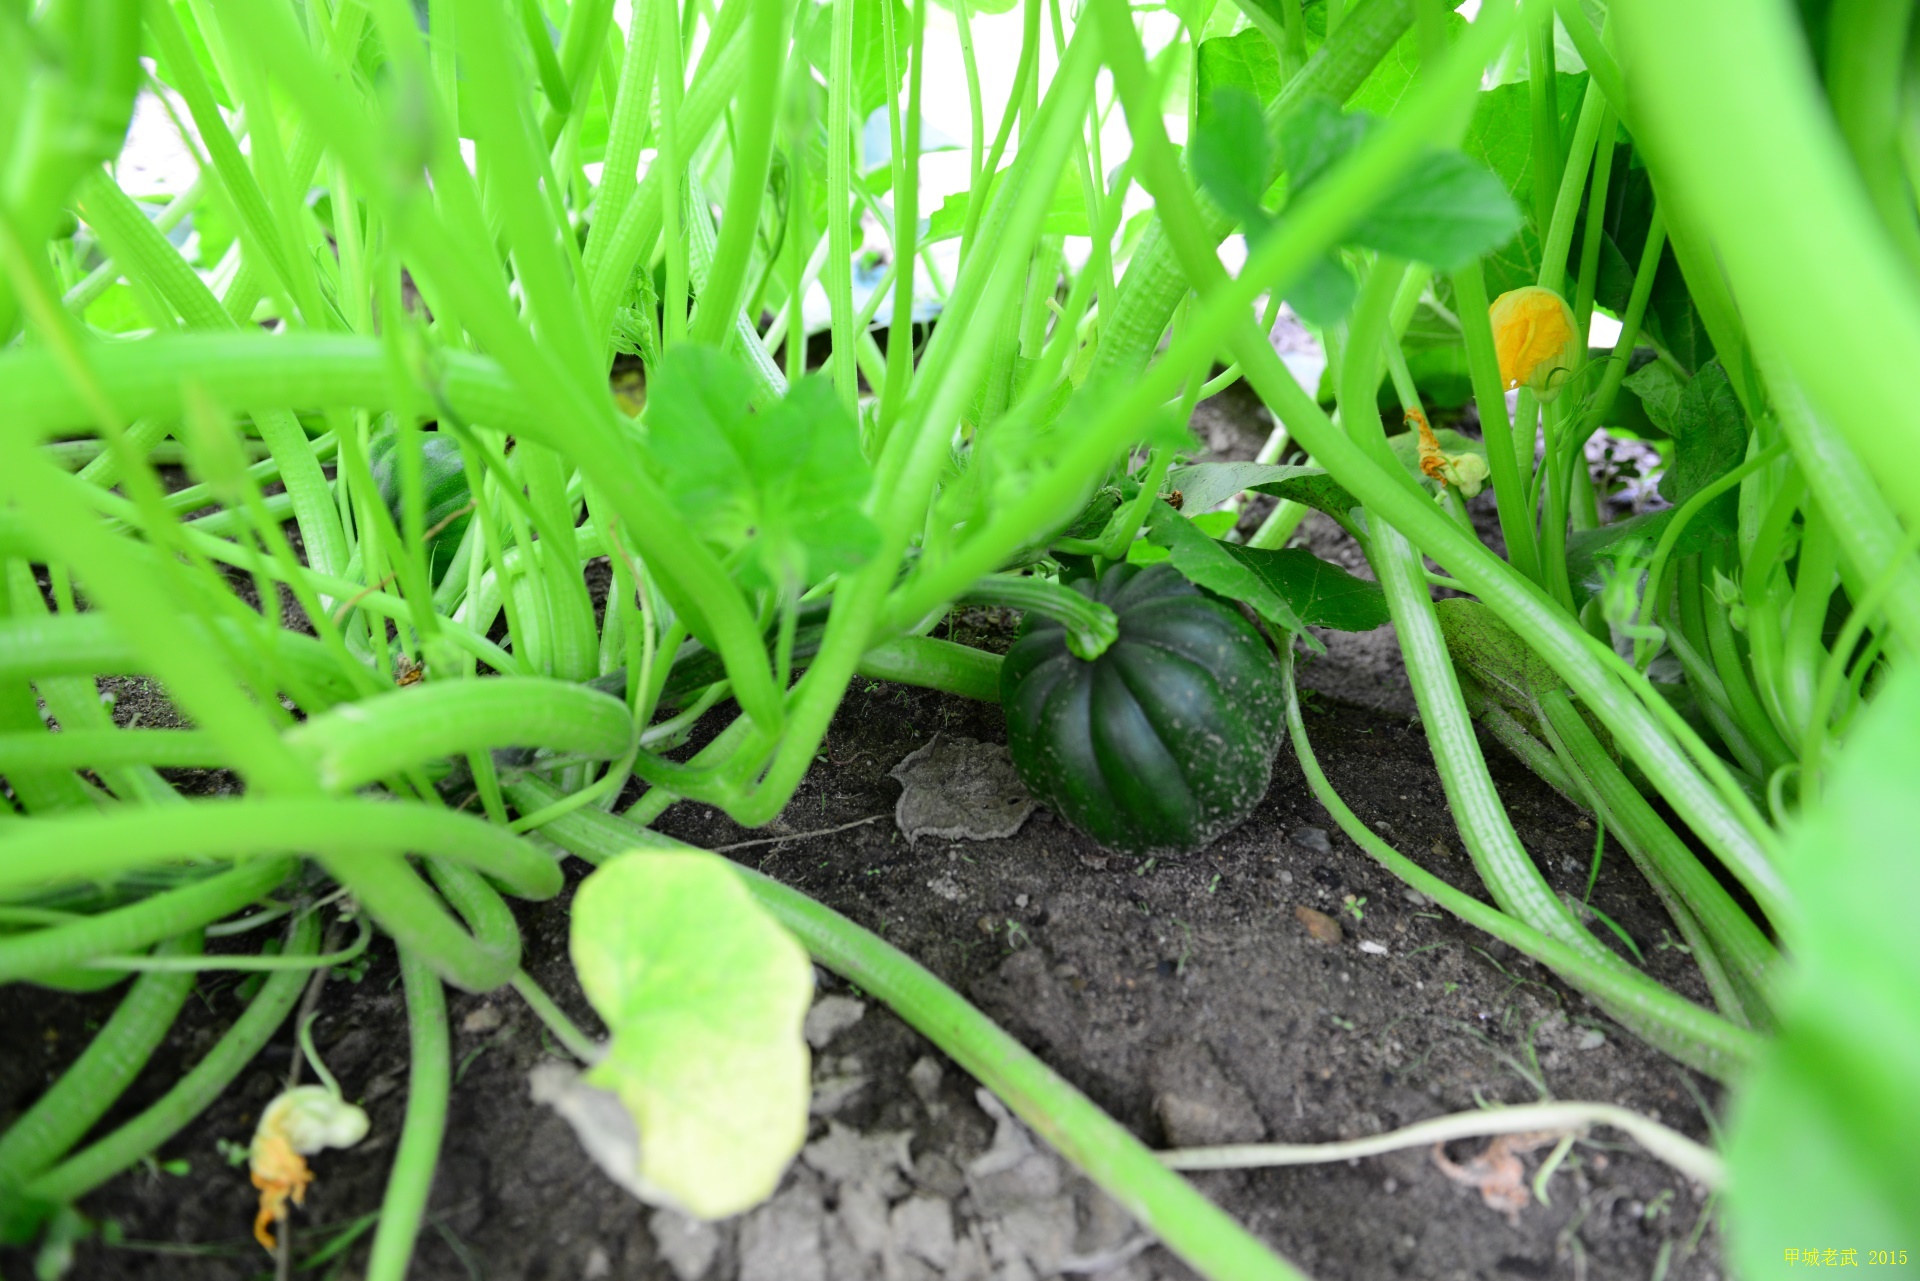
{"points": [[1535, 338], [1466, 472], [297, 1123]]}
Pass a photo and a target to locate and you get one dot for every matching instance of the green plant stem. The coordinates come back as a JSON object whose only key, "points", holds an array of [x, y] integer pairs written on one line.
{"points": [[752, 152], [1730, 1048], [1557, 241], [673, 201], [1730, 938], [1734, 119], [30, 954], [1727, 824], [375, 738], [429, 1084], [1870, 536], [206, 1081], [65, 849], [1509, 490], [60, 1117], [1656, 590], [240, 964], [1631, 319], [1865, 612], [1702, 1164], [1543, 97], [564, 1029], [846, 378], [917, 451], [1867, 43], [906, 222], [144, 253], [1187, 1223], [687, 571], [1091, 626]]}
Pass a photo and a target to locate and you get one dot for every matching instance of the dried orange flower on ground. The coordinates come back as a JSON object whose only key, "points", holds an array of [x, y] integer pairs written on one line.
{"points": [[1535, 339], [298, 1123], [1497, 1172]]}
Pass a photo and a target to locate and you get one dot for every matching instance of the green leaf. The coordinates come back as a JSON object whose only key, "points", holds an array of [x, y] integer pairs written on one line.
{"points": [[1232, 155], [871, 88], [1321, 594], [1204, 486], [1500, 136], [703, 994], [781, 488], [1446, 212], [1246, 61], [1066, 216], [1825, 1128], [1325, 292], [1659, 390], [1314, 136], [1493, 654], [1208, 564], [1710, 440], [1313, 487], [1390, 79], [1671, 318]]}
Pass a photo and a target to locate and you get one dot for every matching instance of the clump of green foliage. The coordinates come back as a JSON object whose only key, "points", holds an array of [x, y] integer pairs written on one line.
{"points": [[419, 238]]}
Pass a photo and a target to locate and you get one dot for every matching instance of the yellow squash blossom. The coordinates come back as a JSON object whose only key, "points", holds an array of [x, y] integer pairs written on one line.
{"points": [[1535, 339]]}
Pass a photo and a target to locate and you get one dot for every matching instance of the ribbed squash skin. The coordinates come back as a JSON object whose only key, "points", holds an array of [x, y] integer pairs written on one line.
{"points": [[1166, 740]]}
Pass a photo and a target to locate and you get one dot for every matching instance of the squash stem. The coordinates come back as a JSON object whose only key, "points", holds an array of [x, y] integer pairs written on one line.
{"points": [[1091, 626]]}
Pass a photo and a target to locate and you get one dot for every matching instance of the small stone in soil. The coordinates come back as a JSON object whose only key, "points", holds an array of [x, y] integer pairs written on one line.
{"points": [[686, 1243], [1197, 1103], [1322, 927], [829, 1017], [1313, 839]]}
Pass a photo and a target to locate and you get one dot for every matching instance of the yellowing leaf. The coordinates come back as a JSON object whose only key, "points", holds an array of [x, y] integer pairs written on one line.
{"points": [[704, 994]]}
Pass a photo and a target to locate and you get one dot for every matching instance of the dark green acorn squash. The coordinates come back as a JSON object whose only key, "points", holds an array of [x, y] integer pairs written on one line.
{"points": [[443, 481], [1163, 742]]}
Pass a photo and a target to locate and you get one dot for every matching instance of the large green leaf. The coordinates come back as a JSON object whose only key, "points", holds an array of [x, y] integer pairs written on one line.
{"points": [[1246, 61], [1208, 564], [1394, 74], [1500, 136], [1232, 155], [1321, 594], [1446, 212], [1709, 440], [1671, 318], [781, 488], [1826, 1129], [1491, 652], [1204, 486], [704, 994], [1659, 390]]}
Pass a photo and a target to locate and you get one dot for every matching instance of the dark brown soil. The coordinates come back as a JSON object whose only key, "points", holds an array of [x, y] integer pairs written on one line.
{"points": [[1180, 993], [1186, 996]]}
